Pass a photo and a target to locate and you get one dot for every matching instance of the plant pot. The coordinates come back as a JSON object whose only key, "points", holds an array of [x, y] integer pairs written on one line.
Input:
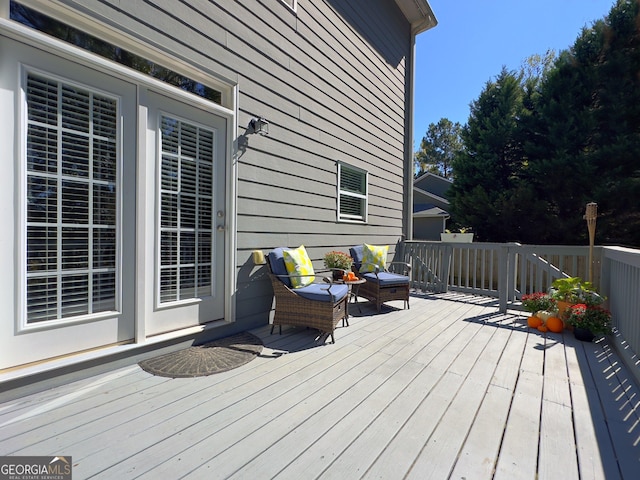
{"points": [[456, 237], [563, 307], [337, 274], [583, 334]]}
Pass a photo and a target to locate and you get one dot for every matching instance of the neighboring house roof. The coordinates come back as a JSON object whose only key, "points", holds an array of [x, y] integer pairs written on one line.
{"points": [[433, 183], [419, 14], [431, 195], [428, 211]]}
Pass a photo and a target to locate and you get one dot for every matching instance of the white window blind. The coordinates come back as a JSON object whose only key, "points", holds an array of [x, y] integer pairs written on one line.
{"points": [[71, 200], [186, 207], [352, 194]]}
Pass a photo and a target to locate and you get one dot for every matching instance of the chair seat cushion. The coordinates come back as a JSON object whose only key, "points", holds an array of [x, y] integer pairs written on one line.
{"points": [[386, 279], [320, 292]]}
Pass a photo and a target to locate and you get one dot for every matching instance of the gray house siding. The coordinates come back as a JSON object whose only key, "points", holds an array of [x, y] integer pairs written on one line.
{"points": [[340, 97], [333, 79]]}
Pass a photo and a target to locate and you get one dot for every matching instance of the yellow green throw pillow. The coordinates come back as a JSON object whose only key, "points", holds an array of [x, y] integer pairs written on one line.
{"points": [[373, 255], [298, 263]]}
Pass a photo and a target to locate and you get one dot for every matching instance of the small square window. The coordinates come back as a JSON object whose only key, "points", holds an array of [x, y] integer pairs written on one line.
{"points": [[352, 194]]}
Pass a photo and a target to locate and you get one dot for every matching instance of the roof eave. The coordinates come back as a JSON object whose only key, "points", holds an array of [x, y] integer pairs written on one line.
{"points": [[419, 14]]}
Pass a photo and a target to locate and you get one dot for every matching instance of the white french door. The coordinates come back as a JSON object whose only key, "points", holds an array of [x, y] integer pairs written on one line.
{"points": [[187, 151], [74, 144], [114, 226]]}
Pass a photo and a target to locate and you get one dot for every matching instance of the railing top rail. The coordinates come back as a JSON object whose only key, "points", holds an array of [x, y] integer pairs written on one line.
{"points": [[629, 256]]}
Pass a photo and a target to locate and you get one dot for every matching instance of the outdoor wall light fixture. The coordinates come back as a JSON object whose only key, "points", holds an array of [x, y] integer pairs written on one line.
{"points": [[259, 125]]}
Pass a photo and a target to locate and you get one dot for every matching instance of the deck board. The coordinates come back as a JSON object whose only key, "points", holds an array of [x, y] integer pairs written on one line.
{"points": [[447, 389]]}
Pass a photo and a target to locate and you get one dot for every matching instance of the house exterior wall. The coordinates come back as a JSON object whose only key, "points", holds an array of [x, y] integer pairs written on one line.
{"points": [[429, 189], [420, 198], [427, 228], [336, 94], [433, 184], [332, 80]]}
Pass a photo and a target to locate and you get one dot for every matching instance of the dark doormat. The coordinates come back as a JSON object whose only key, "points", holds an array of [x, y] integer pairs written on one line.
{"points": [[202, 360]]}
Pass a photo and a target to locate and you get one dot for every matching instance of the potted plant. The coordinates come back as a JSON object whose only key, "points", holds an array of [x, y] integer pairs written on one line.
{"points": [[538, 301], [338, 262], [463, 235], [589, 321], [572, 290]]}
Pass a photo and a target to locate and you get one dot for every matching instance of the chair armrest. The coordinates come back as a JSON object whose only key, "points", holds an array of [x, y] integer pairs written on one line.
{"points": [[329, 279], [406, 266]]}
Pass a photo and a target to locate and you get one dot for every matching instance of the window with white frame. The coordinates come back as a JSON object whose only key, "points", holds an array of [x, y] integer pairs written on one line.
{"points": [[72, 190], [352, 194], [186, 207]]}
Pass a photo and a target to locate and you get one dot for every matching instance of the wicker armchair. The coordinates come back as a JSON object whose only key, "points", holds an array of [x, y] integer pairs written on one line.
{"points": [[319, 305], [382, 285]]}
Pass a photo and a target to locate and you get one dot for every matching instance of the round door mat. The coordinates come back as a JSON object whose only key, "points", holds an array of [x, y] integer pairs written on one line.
{"points": [[202, 360]]}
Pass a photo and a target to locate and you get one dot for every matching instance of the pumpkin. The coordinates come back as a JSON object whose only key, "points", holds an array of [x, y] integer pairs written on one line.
{"points": [[555, 325], [543, 328], [543, 315], [534, 322]]}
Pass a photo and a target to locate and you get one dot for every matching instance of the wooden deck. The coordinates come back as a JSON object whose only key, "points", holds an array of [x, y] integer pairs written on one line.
{"points": [[447, 389]]}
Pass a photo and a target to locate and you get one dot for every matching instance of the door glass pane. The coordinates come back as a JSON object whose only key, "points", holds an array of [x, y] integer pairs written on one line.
{"points": [[186, 235], [71, 200]]}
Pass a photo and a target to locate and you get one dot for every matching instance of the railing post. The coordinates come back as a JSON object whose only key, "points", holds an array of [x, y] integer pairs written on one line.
{"points": [[503, 278], [446, 267]]}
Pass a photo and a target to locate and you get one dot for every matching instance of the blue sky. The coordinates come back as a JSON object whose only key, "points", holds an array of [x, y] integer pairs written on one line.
{"points": [[474, 39]]}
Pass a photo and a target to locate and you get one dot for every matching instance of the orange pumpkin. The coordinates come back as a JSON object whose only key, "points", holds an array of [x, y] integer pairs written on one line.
{"points": [[543, 328], [534, 322], [555, 325]]}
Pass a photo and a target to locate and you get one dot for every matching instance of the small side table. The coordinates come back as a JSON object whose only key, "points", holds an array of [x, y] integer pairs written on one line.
{"points": [[354, 286]]}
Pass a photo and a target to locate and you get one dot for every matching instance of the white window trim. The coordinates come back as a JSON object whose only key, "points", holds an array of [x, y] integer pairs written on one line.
{"points": [[340, 193], [292, 4]]}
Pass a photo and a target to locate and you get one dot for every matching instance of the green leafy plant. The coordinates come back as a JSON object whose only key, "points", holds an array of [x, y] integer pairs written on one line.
{"points": [[593, 318], [335, 259], [460, 230], [535, 302], [575, 290]]}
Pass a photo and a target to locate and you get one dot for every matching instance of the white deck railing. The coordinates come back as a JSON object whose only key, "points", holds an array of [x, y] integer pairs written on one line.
{"points": [[509, 270]]}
